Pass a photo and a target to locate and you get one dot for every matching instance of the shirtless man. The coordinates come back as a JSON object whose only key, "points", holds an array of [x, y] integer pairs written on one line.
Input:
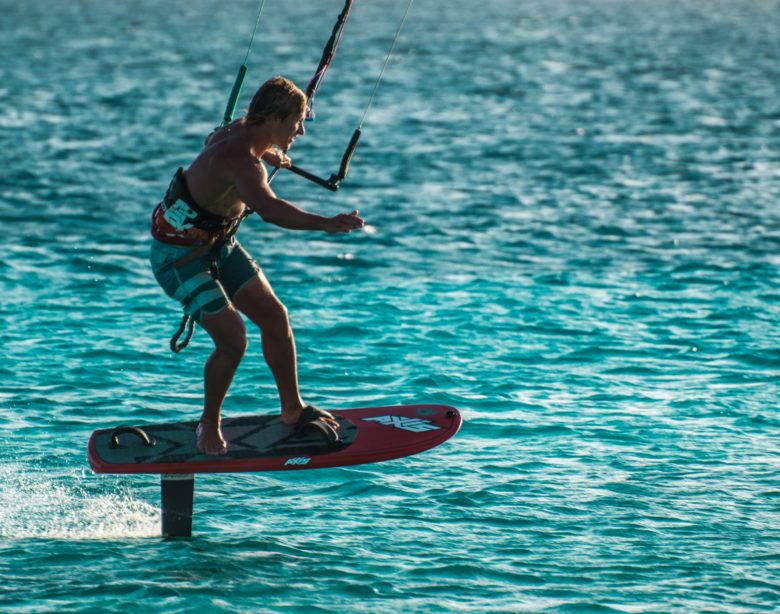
{"points": [[197, 260]]}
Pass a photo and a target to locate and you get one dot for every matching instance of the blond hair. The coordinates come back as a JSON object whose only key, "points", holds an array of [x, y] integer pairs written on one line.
{"points": [[278, 98]]}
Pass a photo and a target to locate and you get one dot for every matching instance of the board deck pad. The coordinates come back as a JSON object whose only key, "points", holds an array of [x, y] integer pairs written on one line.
{"points": [[264, 443]]}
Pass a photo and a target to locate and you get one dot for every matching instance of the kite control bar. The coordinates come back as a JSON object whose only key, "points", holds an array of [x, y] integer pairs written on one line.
{"points": [[331, 183]]}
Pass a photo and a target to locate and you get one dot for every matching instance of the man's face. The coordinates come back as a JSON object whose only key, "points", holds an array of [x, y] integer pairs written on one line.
{"points": [[290, 129]]}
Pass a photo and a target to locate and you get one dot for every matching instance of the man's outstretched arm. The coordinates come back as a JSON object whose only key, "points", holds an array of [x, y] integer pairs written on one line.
{"points": [[252, 186]]}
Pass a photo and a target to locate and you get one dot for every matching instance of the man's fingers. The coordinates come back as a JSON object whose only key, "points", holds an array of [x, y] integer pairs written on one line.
{"points": [[347, 222]]}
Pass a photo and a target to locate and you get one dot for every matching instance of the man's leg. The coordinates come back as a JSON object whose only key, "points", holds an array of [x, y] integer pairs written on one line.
{"points": [[256, 299], [229, 334]]}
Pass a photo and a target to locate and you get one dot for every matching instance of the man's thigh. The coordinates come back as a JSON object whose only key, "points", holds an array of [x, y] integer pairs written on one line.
{"points": [[236, 268], [257, 300], [192, 284]]}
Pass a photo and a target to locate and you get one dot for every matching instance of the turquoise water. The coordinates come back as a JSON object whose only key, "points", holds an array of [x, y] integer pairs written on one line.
{"points": [[573, 237]]}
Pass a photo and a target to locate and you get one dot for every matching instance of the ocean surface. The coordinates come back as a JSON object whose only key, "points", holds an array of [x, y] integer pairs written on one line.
{"points": [[574, 237]]}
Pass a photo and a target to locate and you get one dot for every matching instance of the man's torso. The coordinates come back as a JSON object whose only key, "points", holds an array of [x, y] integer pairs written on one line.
{"points": [[209, 186]]}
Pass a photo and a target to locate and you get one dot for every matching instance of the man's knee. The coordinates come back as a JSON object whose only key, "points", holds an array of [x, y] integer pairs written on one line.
{"points": [[259, 303], [228, 332], [233, 345], [274, 318]]}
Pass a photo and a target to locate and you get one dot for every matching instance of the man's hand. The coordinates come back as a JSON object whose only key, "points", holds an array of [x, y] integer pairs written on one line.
{"points": [[278, 158], [344, 222]]}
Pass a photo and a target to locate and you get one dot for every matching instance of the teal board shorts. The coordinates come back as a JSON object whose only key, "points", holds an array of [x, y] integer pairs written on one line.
{"points": [[194, 284]]}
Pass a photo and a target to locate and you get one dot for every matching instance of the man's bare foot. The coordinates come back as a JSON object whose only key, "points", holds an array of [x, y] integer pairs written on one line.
{"points": [[290, 417], [209, 439]]}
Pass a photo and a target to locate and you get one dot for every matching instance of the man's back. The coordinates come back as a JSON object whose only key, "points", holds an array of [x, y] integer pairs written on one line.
{"points": [[211, 176]]}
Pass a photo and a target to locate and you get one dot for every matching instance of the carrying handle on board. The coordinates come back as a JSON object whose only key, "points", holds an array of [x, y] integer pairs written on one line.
{"points": [[148, 441]]}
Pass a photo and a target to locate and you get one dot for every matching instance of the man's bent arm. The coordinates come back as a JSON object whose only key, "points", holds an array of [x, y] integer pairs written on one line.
{"points": [[252, 187]]}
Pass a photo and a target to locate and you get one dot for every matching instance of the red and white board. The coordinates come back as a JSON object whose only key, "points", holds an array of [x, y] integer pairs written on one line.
{"points": [[264, 443]]}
